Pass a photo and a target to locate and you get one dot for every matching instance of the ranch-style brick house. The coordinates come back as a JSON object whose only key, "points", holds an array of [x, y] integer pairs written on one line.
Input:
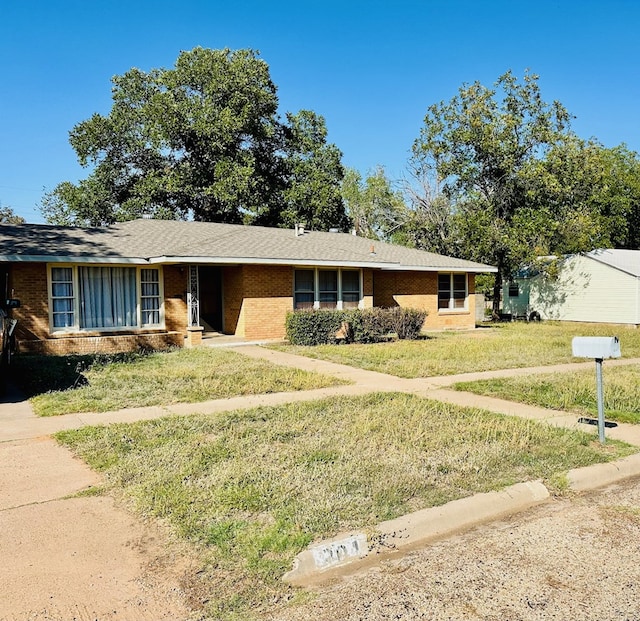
{"points": [[155, 283]]}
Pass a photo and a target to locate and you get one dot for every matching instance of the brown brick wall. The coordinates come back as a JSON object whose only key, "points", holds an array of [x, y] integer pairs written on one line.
{"points": [[268, 296], [29, 282], [102, 344], [420, 290], [232, 291], [175, 298], [367, 288]]}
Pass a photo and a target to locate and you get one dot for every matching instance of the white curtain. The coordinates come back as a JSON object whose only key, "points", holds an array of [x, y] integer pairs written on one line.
{"points": [[107, 297]]}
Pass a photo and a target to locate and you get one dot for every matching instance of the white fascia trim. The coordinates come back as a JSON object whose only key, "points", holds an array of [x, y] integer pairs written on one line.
{"points": [[397, 267], [260, 261], [34, 258], [442, 268]]}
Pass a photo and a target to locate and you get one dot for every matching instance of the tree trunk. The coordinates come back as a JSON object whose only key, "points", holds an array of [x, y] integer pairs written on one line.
{"points": [[497, 295]]}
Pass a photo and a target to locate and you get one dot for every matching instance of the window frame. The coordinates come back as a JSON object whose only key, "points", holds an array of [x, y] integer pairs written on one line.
{"points": [[451, 303], [73, 311], [304, 291], [76, 328], [316, 288]]}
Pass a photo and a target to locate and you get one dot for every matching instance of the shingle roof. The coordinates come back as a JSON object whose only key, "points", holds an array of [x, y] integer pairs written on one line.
{"points": [[624, 260], [170, 241]]}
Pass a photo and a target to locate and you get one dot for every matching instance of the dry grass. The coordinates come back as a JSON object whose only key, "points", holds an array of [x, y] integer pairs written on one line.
{"points": [[252, 488], [574, 392], [136, 380], [499, 346]]}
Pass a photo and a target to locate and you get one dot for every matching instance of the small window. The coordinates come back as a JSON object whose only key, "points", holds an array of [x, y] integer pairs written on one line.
{"points": [[62, 297], [452, 292], [444, 290], [514, 290], [328, 288], [459, 290], [304, 288], [150, 297], [350, 289]]}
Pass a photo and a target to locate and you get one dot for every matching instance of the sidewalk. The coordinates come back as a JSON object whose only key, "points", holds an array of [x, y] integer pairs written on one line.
{"points": [[18, 422]]}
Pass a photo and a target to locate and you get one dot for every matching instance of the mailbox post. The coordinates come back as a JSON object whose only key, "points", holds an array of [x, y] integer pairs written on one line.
{"points": [[599, 348]]}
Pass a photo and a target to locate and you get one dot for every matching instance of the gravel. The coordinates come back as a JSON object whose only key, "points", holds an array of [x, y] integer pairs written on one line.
{"points": [[575, 558]]}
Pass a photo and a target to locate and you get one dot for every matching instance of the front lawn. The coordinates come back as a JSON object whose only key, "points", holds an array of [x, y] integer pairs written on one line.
{"points": [[67, 384], [498, 346], [250, 489], [574, 392]]}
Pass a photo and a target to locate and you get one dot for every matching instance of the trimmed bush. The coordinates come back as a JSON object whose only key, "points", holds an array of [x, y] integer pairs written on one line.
{"points": [[313, 327], [370, 325], [407, 322]]}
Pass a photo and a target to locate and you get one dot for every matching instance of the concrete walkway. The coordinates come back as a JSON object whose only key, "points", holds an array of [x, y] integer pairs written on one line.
{"points": [[18, 422]]}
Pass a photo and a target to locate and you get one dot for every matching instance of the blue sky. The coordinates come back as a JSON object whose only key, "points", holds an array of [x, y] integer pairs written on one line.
{"points": [[371, 68]]}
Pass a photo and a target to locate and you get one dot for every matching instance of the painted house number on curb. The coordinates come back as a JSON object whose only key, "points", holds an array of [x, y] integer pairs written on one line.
{"points": [[337, 552]]}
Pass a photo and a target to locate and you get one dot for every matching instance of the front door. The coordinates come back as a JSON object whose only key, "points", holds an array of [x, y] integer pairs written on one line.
{"points": [[210, 278]]}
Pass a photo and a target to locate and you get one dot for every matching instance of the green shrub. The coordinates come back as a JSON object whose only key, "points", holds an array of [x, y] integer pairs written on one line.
{"points": [[407, 322], [313, 327], [369, 325]]}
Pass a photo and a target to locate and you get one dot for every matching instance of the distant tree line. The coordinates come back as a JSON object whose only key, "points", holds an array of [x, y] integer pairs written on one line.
{"points": [[496, 174]]}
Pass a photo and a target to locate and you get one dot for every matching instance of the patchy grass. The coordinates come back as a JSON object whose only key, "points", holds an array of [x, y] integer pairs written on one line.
{"points": [[250, 489], [67, 384], [573, 392], [499, 346]]}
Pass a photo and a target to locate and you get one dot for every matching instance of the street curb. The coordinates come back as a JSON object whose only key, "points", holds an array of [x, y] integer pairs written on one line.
{"points": [[349, 551], [321, 560], [599, 475]]}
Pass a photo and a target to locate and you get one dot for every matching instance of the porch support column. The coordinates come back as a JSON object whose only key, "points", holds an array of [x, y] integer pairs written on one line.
{"points": [[194, 329]]}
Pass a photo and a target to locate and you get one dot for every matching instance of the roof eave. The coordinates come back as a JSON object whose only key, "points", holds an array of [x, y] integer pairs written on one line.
{"points": [[43, 258], [382, 265]]}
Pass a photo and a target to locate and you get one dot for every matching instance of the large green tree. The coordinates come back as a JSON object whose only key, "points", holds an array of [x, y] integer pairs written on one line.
{"points": [[201, 140], [482, 142]]}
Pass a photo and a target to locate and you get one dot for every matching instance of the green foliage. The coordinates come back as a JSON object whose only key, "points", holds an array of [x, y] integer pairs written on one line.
{"points": [[8, 216], [596, 192], [480, 143], [315, 171], [369, 325], [313, 327], [374, 208], [407, 322], [202, 140]]}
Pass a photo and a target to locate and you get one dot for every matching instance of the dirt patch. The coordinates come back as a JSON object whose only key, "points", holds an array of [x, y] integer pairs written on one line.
{"points": [[570, 559], [83, 558]]}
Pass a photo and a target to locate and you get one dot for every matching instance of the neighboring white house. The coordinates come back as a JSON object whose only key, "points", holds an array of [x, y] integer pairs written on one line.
{"points": [[599, 286]]}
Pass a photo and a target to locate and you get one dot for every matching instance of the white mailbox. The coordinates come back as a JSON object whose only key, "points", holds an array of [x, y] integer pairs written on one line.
{"points": [[599, 347]]}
